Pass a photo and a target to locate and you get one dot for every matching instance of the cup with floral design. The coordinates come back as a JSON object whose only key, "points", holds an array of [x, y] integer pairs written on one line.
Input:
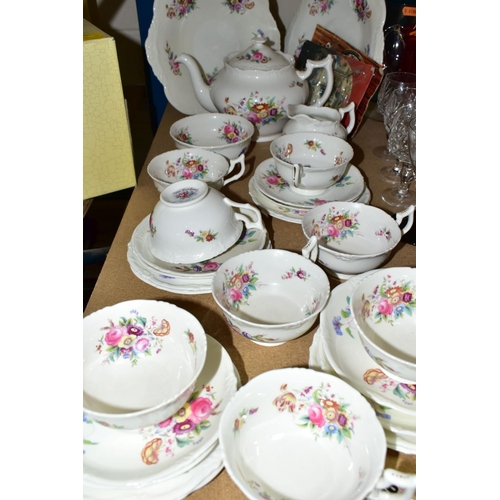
{"points": [[193, 222], [141, 359], [311, 162], [226, 134], [351, 238], [270, 296], [384, 309], [302, 423], [194, 163]]}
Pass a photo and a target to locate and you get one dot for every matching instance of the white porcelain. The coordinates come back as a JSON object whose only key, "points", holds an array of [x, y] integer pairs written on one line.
{"points": [[208, 30], [270, 183], [352, 238], [194, 163], [270, 296], [311, 162], [300, 423], [325, 120], [257, 83], [220, 133], [134, 345], [361, 24], [384, 309], [345, 353], [193, 222]]}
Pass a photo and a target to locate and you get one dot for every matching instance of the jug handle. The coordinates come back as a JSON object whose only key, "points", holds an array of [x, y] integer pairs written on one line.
{"points": [[404, 483], [352, 115], [310, 251], [406, 213], [327, 64], [241, 161], [253, 213], [297, 172]]}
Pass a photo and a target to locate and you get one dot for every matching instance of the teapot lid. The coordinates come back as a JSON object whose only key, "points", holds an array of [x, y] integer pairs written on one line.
{"points": [[258, 56]]}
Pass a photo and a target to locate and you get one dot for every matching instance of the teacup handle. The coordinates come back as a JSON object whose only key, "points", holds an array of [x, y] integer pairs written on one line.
{"points": [[310, 251], [406, 484], [408, 212], [232, 163], [352, 115], [250, 210], [327, 64], [297, 172]]}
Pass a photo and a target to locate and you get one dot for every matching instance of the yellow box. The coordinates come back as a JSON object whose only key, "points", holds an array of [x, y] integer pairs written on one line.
{"points": [[108, 161]]}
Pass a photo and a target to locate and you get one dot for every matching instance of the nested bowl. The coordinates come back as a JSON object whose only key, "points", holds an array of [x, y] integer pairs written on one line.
{"points": [[350, 238], [228, 135], [270, 296], [384, 309], [194, 163], [141, 359], [311, 162], [302, 434]]}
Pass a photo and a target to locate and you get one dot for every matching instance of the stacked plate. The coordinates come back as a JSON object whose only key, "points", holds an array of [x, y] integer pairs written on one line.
{"points": [[168, 460], [337, 349], [184, 278], [273, 194]]}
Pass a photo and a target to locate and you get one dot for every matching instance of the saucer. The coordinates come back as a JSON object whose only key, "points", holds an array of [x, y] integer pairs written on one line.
{"points": [[122, 459], [271, 184], [347, 356]]}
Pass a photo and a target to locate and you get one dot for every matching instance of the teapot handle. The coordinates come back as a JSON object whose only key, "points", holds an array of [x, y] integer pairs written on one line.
{"points": [[232, 163], [406, 213], [352, 116], [327, 64]]}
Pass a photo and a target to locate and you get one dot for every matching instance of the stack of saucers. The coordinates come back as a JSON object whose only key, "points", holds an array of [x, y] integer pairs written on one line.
{"points": [[176, 456], [184, 274], [337, 348]]}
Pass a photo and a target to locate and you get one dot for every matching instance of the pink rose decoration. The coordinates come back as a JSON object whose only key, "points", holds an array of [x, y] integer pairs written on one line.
{"points": [[332, 230], [273, 180], [229, 129], [235, 294], [165, 423], [115, 334], [385, 307], [253, 117], [201, 408], [315, 414], [186, 172], [211, 266], [142, 344]]}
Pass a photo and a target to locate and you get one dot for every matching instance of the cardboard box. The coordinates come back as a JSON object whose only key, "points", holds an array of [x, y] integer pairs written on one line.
{"points": [[108, 162]]}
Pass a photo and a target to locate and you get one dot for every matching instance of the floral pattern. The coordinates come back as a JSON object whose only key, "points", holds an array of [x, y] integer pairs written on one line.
{"points": [[384, 232], [314, 146], [319, 410], [174, 65], [321, 7], [390, 301], [206, 235], [362, 10], [376, 377], [185, 428], [187, 167], [274, 179], [242, 417], [255, 56], [238, 285], [185, 194], [299, 273], [180, 8], [256, 338], [345, 315], [336, 225], [232, 132], [184, 136], [256, 109], [88, 442], [239, 6], [132, 338]]}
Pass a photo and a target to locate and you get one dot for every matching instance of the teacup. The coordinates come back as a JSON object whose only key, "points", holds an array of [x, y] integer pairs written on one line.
{"points": [[193, 222], [194, 163], [311, 162]]}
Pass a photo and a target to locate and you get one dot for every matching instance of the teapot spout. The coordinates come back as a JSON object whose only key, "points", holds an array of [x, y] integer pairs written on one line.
{"points": [[201, 89]]}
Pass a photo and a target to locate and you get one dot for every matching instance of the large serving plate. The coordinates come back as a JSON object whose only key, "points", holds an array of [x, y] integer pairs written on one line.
{"points": [[358, 22], [208, 30]]}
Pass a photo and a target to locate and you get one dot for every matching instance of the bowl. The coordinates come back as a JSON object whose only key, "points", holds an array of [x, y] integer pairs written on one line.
{"points": [[141, 359], [270, 296], [228, 135], [193, 222], [193, 163], [384, 310], [311, 162], [351, 238], [302, 434]]}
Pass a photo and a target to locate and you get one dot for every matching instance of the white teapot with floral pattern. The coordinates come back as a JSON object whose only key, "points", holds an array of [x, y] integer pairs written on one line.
{"points": [[258, 84]]}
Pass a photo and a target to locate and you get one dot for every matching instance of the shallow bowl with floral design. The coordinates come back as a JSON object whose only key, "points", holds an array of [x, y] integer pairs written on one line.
{"points": [[194, 163], [228, 135], [141, 359], [311, 162], [384, 309], [300, 423], [270, 296], [351, 238]]}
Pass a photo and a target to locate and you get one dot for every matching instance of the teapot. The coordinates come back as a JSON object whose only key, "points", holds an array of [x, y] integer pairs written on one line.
{"points": [[258, 83], [326, 120]]}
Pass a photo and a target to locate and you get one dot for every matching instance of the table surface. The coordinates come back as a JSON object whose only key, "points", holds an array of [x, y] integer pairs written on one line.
{"points": [[117, 283]]}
